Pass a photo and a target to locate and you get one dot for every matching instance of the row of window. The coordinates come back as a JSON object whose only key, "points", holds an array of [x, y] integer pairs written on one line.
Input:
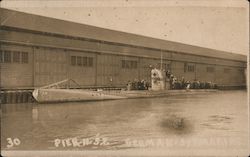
{"points": [[82, 61], [129, 64], [14, 57], [165, 66], [191, 68], [210, 69], [23, 57]]}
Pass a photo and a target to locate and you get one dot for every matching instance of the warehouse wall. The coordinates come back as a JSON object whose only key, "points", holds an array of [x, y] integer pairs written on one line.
{"points": [[177, 70], [108, 70], [116, 49], [16, 73], [230, 75], [51, 65], [131, 72], [102, 64], [83, 72], [203, 72]]}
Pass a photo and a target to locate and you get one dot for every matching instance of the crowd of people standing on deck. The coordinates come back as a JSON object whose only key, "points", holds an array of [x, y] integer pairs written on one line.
{"points": [[138, 85], [176, 83]]}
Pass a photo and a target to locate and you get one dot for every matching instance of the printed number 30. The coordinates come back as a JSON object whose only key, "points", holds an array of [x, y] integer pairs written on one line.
{"points": [[14, 142]]}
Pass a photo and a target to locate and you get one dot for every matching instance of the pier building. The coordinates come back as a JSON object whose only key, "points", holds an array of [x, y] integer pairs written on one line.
{"points": [[36, 51]]}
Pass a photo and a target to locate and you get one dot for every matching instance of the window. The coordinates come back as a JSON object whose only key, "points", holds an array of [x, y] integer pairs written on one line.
{"points": [[133, 64], [123, 64], [1, 56], [185, 67], [188, 68], [128, 64], [165, 66], [79, 61], [227, 70], [25, 58], [82, 61], [210, 69], [7, 56], [73, 60], [241, 70], [90, 61], [191, 68], [16, 57], [85, 61]]}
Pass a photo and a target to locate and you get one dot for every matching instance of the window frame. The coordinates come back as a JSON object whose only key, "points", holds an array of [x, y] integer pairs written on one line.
{"points": [[5, 57], [79, 61], [73, 60], [1, 56], [16, 59], [210, 69], [24, 57], [190, 68], [90, 61], [84, 61], [129, 64]]}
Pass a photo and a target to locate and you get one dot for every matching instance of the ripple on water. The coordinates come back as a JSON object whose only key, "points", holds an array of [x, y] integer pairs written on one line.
{"points": [[218, 122]]}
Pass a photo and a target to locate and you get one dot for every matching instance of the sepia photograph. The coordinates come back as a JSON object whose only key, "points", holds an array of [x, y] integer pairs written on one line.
{"points": [[124, 78]]}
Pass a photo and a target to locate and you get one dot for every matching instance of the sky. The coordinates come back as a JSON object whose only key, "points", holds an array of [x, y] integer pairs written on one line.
{"points": [[216, 24]]}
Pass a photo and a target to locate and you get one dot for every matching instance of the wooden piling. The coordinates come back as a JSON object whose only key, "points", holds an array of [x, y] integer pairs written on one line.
{"points": [[2, 97], [19, 97], [25, 97], [30, 97], [13, 98], [8, 97]]}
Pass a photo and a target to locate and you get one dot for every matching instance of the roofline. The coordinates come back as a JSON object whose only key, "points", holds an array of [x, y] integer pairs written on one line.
{"points": [[111, 43], [120, 43]]}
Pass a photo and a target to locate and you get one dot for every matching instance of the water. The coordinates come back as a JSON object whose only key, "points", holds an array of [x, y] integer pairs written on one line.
{"points": [[211, 121]]}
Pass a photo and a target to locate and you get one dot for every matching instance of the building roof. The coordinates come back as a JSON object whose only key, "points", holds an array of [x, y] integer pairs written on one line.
{"points": [[25, 21]]}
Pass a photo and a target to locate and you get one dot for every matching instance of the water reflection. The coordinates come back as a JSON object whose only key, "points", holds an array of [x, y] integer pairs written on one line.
{"points": [[183, 116]]}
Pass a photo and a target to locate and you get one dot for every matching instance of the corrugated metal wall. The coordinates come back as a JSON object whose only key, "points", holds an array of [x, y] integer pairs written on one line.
{"points": [[50, 66], [84, 75], [203, 74], [14, 75], [108, 70]]}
